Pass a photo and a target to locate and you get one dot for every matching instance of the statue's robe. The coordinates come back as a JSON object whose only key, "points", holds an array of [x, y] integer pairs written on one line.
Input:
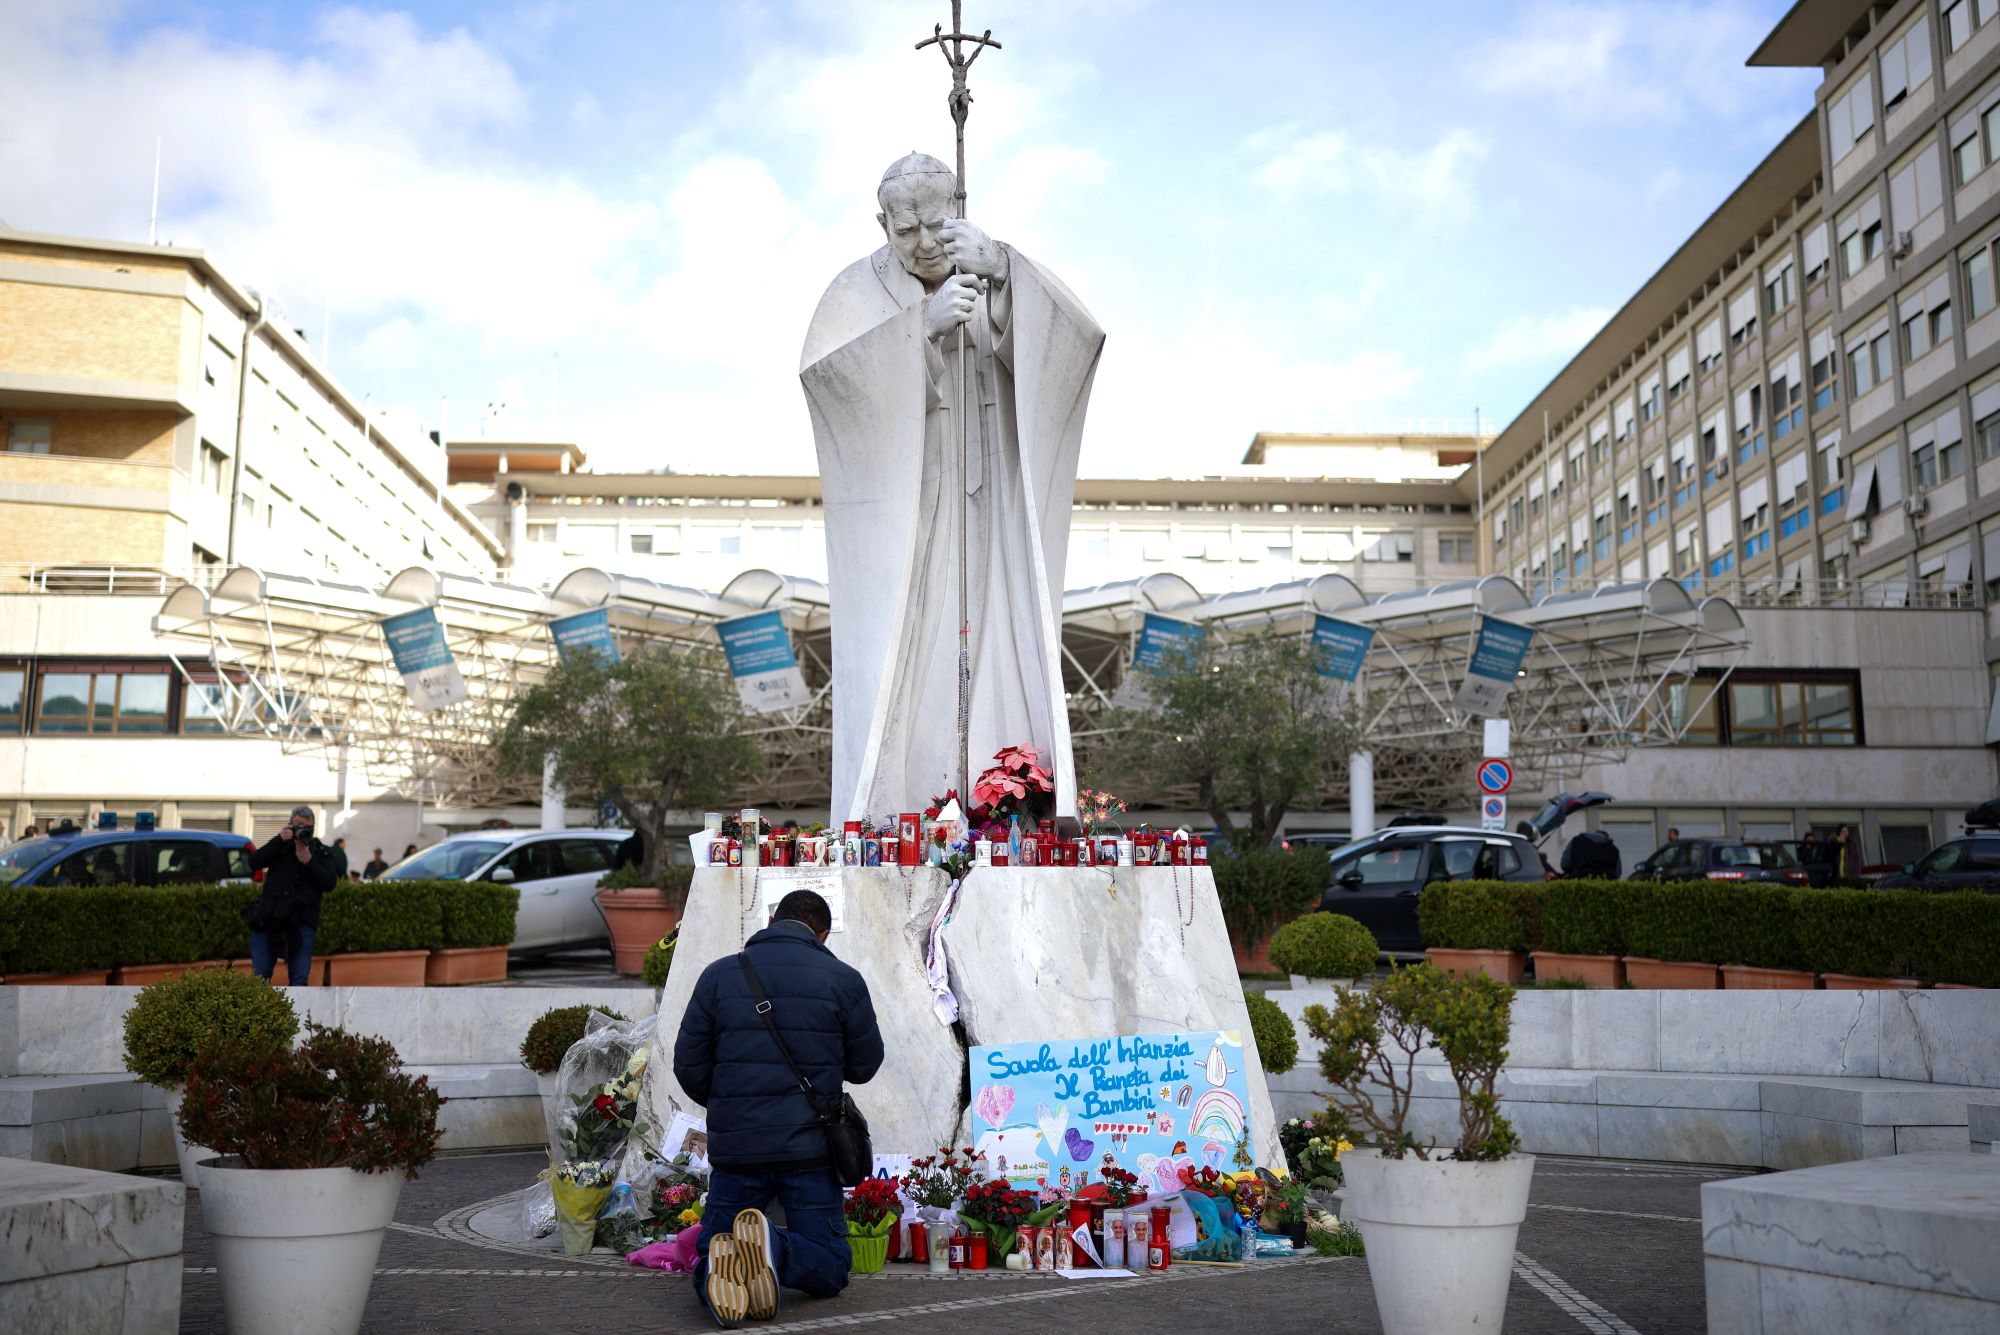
{"points": [[886, 407]]}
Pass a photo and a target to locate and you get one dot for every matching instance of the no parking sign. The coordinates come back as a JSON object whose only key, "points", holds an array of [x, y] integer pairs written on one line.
{"points": [[1493, 813]]}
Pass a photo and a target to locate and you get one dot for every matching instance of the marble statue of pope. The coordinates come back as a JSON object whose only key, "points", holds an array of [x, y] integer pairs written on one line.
{"points": [[880, 371]]}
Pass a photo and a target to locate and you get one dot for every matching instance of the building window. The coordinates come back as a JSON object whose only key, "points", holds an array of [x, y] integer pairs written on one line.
{"points": [[642, 544], [13, 689], [1825, 368], [29, 435], [1906, 64], [1779, 288], [1962, 18], [1986, 421], [1916, 191], [1979, 279], [1691, 712], [1869, 362], [1455, 549], [1850, 115], [1813, 247], [1860, 237], [1742, 316], [1781, 712], [102, 701], [1708, 344]]}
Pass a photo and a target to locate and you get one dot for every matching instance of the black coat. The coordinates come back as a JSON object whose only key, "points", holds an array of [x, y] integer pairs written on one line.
{"points": [[292, 891], [758, 1118]]}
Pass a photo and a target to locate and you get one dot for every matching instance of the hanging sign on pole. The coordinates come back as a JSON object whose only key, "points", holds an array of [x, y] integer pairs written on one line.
{"points": [[430, 674], [585, 633], [1343, 647], [759, 649], [1497, 654]]}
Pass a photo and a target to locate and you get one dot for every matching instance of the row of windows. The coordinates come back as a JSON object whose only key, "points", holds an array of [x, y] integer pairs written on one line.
{"points": [[126, 699], [1767, 709]]}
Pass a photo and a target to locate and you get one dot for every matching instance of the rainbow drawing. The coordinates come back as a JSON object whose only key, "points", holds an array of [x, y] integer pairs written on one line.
{"points": [[1217, 1115]]}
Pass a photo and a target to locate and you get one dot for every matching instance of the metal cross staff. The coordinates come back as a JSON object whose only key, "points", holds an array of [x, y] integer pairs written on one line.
{"points": [[960, 102]]}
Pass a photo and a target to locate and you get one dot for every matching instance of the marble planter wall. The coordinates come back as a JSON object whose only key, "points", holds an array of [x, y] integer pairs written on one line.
{"points": [[1903, 1243], [88, 1251]]}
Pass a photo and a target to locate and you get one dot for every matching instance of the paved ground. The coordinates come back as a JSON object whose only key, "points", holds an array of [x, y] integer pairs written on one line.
{"points": [[1611, 1249], [581, 968]]}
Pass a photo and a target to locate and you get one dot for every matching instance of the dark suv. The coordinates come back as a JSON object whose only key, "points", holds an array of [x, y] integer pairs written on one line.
{"points": [[1722, 860], [127, 857], [1968, 863], [1376, 879]]}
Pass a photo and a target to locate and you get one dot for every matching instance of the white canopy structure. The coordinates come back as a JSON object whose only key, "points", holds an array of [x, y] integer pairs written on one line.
{"points": [[305, 661]]}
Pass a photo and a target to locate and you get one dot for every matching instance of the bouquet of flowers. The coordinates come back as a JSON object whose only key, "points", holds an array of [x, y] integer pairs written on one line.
{"points": [[678, 1204], [1098, 810], [603, 1118], [1286, 1206], [1121, 1188], [872, 1208], [1017, 784], [1218, 1186], [997, 1210], [1313, 1146], [581, 1188], [938, 1181]]}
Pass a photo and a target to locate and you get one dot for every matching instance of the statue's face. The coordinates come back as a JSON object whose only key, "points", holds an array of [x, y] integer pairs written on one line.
{"points": [[913, 212]]}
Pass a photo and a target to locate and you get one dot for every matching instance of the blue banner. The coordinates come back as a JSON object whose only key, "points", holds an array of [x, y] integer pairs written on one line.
{"points": [[1343, 647], [1497, 654], [759, 649], [1162, 638], [1151, 1103], [417, 645], [585, 633]]}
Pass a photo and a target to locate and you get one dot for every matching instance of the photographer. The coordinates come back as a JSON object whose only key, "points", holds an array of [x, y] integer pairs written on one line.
{"points": [[298, 869]]}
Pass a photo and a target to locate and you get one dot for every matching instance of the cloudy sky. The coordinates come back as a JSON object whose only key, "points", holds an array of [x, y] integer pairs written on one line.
{"points": [[1288, 216]]}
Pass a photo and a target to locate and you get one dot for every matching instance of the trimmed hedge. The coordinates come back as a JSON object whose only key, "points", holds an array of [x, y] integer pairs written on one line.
{"points": [[71, 929], [1324, 945], [1482, 915], [1277, 1041], [1949, 937], [1263, 889]]}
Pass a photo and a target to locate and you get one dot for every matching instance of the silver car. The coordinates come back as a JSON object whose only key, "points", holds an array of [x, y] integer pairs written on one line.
{"points": [[557, 872]]}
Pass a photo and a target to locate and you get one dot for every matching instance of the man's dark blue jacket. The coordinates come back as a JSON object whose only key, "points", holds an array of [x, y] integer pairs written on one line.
{"points": [[758, 1118]]}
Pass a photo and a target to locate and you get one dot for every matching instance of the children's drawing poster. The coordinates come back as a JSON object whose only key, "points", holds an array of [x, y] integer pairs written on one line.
{"points": [[1149, 1103]]}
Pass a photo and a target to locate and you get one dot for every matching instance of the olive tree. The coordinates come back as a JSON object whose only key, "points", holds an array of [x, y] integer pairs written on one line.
{"points": [[653, 733]]}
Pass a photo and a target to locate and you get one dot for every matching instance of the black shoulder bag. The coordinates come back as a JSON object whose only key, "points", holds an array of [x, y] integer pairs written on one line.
{"points": [[847, 1143]]}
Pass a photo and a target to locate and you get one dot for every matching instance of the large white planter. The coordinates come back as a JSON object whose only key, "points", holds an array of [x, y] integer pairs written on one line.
{"points": [[547, 1084], [1440, 1237], [295, 1247], [188, 1153]]}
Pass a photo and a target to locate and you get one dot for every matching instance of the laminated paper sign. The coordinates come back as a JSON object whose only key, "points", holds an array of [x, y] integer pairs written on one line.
{"points": [[774, 883], [430, 674], [585, 633], [759, 649], [1149, 1103], [1343, 647], [1497, 654]]}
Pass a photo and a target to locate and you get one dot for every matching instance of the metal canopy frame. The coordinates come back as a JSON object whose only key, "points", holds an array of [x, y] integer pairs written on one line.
{"points": [[304, 661]]}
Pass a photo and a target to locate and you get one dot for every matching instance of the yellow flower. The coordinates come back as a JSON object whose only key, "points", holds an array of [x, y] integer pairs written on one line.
{"points": [[690, 1217], [1342, 1148]]}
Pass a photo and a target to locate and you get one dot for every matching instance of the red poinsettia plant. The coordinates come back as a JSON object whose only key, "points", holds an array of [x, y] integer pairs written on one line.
{"points": [[872, 1207], [1017, 784], [998, 1210]]}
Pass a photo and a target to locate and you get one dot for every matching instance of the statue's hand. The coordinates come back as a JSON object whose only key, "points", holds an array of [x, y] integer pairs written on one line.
{"points": [[951, 305], [973, 251]]}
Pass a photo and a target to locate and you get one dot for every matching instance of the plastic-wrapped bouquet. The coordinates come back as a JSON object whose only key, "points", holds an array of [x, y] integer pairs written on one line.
{"points": [[581, 1188]]}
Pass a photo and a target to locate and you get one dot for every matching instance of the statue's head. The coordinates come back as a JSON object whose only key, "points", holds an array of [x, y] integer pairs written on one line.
{"points": [[916, 199]]}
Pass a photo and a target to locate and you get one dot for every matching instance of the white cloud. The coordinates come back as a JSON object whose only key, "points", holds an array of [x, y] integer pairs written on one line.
{"points": [[1299, 163], [1541, 339]]}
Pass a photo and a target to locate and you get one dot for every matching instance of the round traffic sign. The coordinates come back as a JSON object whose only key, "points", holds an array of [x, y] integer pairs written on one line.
{"points": [[1494, 808], [1495, 776]]}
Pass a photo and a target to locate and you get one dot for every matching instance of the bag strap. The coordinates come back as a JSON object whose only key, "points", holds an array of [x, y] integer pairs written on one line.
{"points": [[764, 1011]]}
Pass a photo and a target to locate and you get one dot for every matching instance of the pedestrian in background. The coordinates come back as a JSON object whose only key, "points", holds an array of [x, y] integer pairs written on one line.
{"points": [[298, 869], [375, 867], [410, 851], [1846, 859], [339, 851], [766, 1138]]}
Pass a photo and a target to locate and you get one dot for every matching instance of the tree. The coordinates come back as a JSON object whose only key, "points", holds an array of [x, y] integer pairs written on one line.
{"points": [[1252, 726], [653, 734]]}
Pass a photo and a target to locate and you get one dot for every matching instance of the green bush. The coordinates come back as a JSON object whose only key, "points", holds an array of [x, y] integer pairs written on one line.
{"points": [[171, 1022], [1262, 889], [1482, 915], [1959, 938], [1585, 917], [1756, 924], [659, 960], [1277, 1043], [474, 913], [1872, 933], [360, 916], [1674, 921], [1324, 945], [554, 1034]]}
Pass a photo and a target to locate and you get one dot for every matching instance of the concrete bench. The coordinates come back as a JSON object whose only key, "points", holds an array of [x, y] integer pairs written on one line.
{"points": [[1764, 1080], [1905, 1243], [1984, 1128], [88, 1250]]}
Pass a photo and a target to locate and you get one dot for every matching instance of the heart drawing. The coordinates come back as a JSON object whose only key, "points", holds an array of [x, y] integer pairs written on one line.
{"points": [[994, 1103], [1167, 1172], [1079, 1148]]}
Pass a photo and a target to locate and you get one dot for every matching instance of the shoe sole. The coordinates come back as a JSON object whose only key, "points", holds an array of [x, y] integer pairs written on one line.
{"points": [[728, 1296], [753, 1264]]}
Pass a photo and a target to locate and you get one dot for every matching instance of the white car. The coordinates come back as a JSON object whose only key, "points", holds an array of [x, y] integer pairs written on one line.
{"points": [[556, 871]]}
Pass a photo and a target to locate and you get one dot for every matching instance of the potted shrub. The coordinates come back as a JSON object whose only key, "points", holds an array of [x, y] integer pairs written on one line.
{"points": [[1670, 937], [1286, 1210], [639, 910], [173, 1021], [1958, 938], [1859, 939], [1330, 947], [1756, 937], [476, 925], [548, 1038], [871, 1217], [1583, 930], [659, 960], [1277, 1042], [379, 933], [1439, 1222], [1484, 927], [315, 1143]]}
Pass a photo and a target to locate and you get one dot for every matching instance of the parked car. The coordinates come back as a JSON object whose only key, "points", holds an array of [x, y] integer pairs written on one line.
{"points": [[557, 872], [127, 857], [1376, 879], [1971, 862], [1722, 860]]}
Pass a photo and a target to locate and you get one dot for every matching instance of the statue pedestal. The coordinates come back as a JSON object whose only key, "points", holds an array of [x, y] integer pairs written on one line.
{"points": [[1035, 954]]}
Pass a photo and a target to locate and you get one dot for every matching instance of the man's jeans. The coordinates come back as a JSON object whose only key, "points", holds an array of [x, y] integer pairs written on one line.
{"points": [[264, 947], [810, 1252]]}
